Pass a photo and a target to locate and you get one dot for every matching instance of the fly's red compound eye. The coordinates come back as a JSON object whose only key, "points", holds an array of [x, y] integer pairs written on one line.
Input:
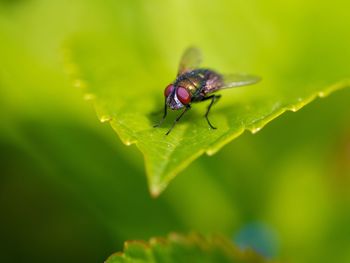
{"points": [[168, 90], [183, 95]]}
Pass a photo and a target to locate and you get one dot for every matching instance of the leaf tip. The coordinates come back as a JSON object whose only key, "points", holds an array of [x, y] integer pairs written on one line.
{"points": [[156, 191], [156, 188]]}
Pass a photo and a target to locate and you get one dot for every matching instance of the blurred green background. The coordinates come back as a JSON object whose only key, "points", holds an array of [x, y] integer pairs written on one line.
{"points": [[71, 192]]}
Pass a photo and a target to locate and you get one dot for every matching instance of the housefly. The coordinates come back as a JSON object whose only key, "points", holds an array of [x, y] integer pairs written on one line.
{"points": [[194, 84]]}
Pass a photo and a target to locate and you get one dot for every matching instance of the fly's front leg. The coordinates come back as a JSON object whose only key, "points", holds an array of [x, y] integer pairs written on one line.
{"points": [[165, 114], [214, 98], [178, 118]]}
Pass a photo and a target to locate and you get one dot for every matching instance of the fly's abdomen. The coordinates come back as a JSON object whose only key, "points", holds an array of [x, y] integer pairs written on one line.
{"points": [[213, 82]]}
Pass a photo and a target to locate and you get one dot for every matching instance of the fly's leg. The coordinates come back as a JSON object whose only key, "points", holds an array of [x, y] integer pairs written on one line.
{"points": [[178, 118], [214, 98], [165, 114]]}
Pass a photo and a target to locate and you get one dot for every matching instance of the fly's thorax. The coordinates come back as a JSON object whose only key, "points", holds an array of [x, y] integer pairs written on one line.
{"points": [[188, 85], [192, 81]]}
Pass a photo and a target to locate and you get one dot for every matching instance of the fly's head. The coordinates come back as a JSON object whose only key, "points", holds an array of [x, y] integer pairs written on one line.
{"points": [[177, 97]]}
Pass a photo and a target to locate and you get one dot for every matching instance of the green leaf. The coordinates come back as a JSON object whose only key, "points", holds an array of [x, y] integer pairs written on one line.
{"points": [[179, 248], [124, 70]]}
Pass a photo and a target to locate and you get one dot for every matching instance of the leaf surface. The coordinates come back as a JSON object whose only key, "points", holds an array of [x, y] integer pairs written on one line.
{"points": [[125, 67]]}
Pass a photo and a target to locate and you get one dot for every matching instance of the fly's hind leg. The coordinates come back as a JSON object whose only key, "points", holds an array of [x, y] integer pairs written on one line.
{"points": [[214, 98]]}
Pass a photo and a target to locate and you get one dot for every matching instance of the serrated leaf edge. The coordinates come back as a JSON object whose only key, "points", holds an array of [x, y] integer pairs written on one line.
{"points": [[191, 239]]}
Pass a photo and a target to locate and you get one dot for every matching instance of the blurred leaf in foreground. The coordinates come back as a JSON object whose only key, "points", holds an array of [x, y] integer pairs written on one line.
{"points": [[178, 248], [125, 70]]}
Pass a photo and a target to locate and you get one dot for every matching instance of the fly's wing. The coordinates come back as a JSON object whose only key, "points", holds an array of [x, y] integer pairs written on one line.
{"points": [[238, 80], [217, 82], [190, 60]]}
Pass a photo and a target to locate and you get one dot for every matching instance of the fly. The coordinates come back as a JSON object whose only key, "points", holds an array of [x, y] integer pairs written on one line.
{"points": [[194, 84]]}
